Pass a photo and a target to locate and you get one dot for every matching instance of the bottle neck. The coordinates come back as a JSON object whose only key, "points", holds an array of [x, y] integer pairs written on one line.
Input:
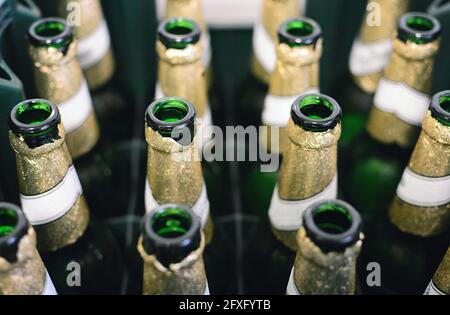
{"points": [[275, 12], [184, 183], [191, 9], [388, 12], [316, 272], [25, 276], [296, 70], [441, 278], [181, 73]]}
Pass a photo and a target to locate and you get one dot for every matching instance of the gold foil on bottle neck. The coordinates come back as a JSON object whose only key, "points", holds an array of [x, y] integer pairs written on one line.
{"points": [[441, 278], [91, 15], [316, 272], [309, 164], [27, 275], [181, 74], [191, 9], [296, 70], [187, 277], [390, 11], [275, 12], [173, 171]]}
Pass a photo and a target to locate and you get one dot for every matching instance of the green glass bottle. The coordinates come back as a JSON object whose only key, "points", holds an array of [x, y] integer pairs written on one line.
{"points": [[52, 199], [22, 270], [373, 166], [171, 247], [329, 243]]}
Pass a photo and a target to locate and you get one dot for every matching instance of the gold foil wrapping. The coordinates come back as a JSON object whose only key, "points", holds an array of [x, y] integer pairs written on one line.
{"points": [[27, 275], [368, 82], [59, 77], [280, 144], [430, 158], [441, 278], [187, 277], [275, 12], [181, 74], [332, 273], [258, 71], [39, 170], [101, 72], [191, 9], [288, 238]]}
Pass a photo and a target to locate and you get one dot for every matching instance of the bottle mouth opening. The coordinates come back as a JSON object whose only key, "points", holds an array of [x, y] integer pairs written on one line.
{"points": [[178, 32], [51, 32], [33, 113], [171, 222], [13, 226], [172, 117], [299, 32], [419, 28], [332, 225], [8, 221], [440, 107], [316, 112]]}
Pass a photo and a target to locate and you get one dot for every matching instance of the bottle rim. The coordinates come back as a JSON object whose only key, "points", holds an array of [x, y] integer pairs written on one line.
{"points": [[332, 241], [173, 129], [328, 117], [189, 32], [428, 33], [302, 38], [170, 250], [60, 39], [10, 242], [437, 110]]}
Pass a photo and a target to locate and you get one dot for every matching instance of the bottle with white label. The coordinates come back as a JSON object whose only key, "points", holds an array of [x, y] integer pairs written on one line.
{"points": [[376, 159], [263, 59], [174, 171], [440, 283], [329, 243], [52, 200], [21, 268], [369, 56], [422, 202], [171, 247]]}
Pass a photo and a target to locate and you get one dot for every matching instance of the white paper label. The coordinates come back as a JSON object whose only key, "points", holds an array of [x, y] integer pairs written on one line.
{"points": [[49, 288], [396, 97], [206, 292], [368, 58], [286, 215], [433, 290], [277, 109], [424, 191], [200, 208], [53, 204], [76, 109], [93, 47], [264, 48], [291, 287]]}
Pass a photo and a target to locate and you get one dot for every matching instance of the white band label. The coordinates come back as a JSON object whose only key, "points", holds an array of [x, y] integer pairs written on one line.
{"points": [[368, 58], [286, 215], [206, 292], [200, 208], [277, 109], [291, 287], [433, 290], [76, 109], [93, 47], [53, 204], [396, 97], [424, 191], [49, 288], [264, 48]]}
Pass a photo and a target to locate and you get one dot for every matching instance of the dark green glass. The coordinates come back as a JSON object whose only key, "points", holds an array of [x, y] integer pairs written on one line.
{"points": [[13, 226], [178, 32]]}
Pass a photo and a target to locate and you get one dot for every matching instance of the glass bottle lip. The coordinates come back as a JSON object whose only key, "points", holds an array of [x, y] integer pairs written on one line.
{"points": [[51, 121], [172, 129], [60, 40], [9, 243], [327, 241], [407, 33], [175, 249], [436, 108], [312, 124], [178, 41], [287, 37]]}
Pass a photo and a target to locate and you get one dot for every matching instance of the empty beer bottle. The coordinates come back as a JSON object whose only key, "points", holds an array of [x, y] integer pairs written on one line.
{"points": [[369, 56], [440, 283], [329, 243], [53, 202], [171, 247], [377, 158], [422, 202], [22, 271], [174, 172]]}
